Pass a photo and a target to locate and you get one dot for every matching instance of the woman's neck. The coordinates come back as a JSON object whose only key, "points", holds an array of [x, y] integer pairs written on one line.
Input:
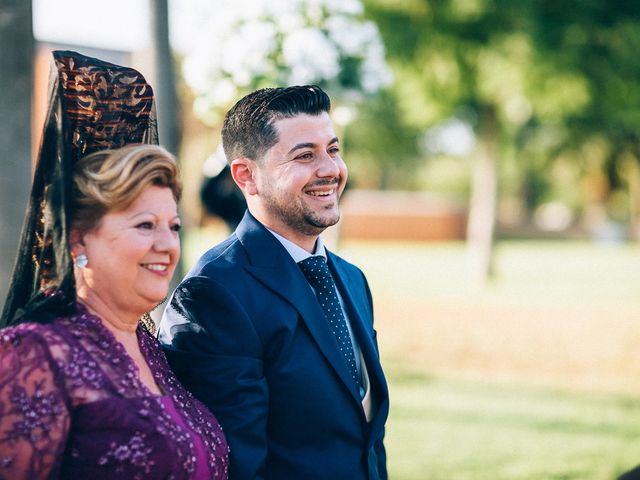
{"points": [[117, 321]]}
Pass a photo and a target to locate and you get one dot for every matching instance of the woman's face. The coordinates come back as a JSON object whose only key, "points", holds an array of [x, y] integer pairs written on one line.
{"points": [[132, 254]]}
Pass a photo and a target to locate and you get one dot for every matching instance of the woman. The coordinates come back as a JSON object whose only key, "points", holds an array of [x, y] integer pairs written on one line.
{"points": [[85, 390]]}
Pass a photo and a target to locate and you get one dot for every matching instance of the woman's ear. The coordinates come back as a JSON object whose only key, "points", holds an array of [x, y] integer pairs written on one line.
{"points": [[76, 242], [243, 173]]}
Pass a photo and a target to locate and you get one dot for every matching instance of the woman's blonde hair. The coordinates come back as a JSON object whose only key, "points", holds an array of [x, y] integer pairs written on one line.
{"points": [[111, 180]]}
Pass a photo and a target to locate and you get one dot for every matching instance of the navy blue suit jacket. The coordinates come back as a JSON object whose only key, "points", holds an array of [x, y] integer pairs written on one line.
{"points": [[245, 334]]}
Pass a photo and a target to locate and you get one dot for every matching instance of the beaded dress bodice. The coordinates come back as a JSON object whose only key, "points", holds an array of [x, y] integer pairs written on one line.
{"points": [[72, 406]]}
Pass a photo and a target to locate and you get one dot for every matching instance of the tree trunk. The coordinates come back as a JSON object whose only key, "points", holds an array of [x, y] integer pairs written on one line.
{"points": [[166, 96], [16, 85], [631, 170], [165, 83], [482, 206]]}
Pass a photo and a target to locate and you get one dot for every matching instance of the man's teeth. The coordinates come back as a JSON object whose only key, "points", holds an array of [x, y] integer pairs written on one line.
{"points": [[155, 266], [322, 194]]}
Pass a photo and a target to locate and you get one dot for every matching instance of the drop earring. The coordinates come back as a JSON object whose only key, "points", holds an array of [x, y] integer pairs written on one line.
{"points": [[81, 260]]}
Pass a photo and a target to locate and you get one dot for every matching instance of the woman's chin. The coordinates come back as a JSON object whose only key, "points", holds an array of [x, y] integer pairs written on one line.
{"points": [[152, 300]]}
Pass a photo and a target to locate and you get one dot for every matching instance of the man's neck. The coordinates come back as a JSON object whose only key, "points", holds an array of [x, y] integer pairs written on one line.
{"points": [[306, 242], [297, 253]]}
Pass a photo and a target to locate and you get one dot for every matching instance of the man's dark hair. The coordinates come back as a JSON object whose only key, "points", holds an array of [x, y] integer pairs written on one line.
{"points": [[248, 129]]}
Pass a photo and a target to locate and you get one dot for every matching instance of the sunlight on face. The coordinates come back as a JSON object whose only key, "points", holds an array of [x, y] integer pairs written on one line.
{"points": [[133, 253], [300, 179]]}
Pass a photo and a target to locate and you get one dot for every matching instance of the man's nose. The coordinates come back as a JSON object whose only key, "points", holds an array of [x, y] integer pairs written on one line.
{"points": [[329, 166]]}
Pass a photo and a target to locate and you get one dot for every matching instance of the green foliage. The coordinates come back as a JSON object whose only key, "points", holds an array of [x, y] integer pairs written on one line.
{"points": [[381, 133], [558, 74], [249, 44]]}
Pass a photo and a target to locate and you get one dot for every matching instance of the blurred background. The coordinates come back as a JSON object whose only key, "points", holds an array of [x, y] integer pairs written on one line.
{"points": [[493, 197]]}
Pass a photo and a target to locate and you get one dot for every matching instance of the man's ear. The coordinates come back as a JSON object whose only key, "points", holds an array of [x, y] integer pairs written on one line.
{"points": [[243, 173]]}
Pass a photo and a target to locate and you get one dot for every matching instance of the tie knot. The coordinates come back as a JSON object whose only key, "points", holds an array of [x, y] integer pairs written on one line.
{"points": [[315, 269]]}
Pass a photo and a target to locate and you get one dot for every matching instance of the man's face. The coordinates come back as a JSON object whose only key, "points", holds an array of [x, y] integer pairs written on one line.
{"points": [[300, 179]]}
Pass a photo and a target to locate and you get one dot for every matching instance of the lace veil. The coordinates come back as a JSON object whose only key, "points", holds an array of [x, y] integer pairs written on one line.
{"points": [[93, 105]]}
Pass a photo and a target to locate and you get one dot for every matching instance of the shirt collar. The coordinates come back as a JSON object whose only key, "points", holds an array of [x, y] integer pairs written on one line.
{"points": [[297, 253]]}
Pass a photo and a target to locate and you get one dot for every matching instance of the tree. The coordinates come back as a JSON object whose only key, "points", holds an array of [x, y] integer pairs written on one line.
{"points": [[166, 95], [16, 84], [381, 147], [250, 44], [539, 81], [600, 42], [454, 57]]}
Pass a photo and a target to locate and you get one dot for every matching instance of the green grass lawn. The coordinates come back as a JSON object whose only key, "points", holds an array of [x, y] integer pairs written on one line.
{"points": [[536, 376], [444, 428]]}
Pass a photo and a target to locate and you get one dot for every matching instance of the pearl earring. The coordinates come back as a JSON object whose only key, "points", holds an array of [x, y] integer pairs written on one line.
{"points": [[81, 260]]}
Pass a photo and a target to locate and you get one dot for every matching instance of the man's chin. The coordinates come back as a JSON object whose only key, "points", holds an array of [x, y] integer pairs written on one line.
{"points": [[323, 223]]}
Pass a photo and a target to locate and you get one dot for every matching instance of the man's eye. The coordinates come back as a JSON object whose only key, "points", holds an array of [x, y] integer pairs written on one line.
{"points": [[306, 156]]}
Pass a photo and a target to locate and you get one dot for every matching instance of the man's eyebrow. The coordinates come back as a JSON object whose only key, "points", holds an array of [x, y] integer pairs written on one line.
{"points": [[302, 145], [311, 145]]}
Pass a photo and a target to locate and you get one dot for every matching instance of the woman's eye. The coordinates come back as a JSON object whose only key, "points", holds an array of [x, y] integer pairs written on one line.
{"points": [[145, 225], [176, 228]]}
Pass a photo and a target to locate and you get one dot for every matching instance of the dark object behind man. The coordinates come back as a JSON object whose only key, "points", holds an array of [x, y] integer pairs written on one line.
{"points": [[220, 196]]}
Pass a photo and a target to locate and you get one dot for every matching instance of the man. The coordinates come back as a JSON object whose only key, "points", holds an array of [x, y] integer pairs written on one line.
{"points": [[283, 354]]}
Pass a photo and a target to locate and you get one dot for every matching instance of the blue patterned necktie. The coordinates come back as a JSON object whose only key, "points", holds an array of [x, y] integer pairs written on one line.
{"points": [[317, 272]]}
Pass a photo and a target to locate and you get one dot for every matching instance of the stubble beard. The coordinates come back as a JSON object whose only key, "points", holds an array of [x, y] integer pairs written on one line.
{"points": [[298, 216]]}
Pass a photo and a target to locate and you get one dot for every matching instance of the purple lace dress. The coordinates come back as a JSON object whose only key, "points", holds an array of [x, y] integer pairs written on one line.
{"points": [[72, 406]]}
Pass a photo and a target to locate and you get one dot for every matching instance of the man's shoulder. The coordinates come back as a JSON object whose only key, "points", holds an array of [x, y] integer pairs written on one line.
{"points": [[227, 254], [344, 264], [218, 273]]}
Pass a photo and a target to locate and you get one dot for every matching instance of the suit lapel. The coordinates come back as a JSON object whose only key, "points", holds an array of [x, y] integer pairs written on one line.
{"points": [[272, 265], [357, 307]]}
